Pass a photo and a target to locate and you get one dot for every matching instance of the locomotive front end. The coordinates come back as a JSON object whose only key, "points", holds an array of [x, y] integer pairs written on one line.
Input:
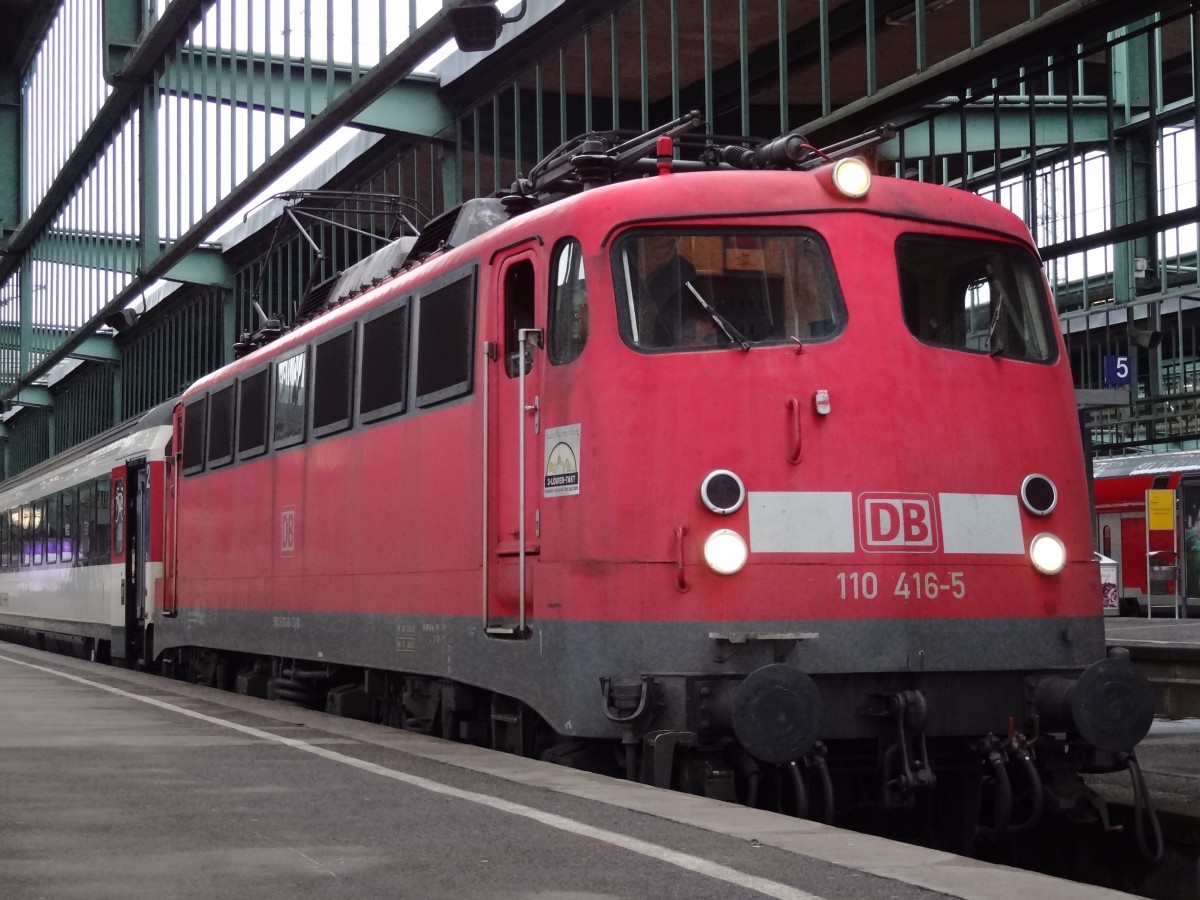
{"points": [[864, 533]]}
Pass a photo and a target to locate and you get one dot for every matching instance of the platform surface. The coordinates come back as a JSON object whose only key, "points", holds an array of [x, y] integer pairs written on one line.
{"points": [[117, 784]]}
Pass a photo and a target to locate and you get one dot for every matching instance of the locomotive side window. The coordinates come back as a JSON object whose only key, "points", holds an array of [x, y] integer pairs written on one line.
{"points": [[195, 417], [980, 296], [568, 304], [383, 367], [705, 290], [445, 338], [290, 383], [252, 415], [333, 378], [220, 427]]}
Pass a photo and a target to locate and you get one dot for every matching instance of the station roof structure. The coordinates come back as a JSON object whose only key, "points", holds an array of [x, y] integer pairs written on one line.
{"points": [[167, 165]]}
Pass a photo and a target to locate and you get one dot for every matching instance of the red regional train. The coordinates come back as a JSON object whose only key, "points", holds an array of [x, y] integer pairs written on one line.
{"points": [[742, 474], [1154, 569]]}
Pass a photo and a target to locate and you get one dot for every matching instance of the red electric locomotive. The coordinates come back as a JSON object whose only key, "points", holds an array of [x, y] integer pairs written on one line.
{"points": [[744, 473]]}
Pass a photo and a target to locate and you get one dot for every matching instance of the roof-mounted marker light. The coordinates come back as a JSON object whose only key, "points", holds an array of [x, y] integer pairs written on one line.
{"points": [[852, 177], [665, 150]]}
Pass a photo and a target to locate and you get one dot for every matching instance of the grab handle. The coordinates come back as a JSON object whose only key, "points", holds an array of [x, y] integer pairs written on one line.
{"points": [[793, 406]]}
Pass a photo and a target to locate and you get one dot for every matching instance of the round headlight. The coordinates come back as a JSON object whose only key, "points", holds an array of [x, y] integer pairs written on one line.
{"points": [[1039, 495], [1047, 553], [852, 177], [722, 492], [726, 552]]}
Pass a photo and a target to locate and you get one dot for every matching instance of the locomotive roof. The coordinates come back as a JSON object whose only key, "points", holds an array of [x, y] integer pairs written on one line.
{"points": [[724, 192]]}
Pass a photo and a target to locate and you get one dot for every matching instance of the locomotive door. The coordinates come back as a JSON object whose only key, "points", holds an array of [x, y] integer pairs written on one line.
{"points": [[514, 371]]}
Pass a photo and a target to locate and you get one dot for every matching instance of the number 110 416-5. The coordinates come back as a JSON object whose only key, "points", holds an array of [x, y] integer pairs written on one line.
{"points": [[907, 585]]}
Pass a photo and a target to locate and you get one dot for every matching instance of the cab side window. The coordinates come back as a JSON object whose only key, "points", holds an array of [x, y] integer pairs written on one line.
{"points": [[568, 304]]}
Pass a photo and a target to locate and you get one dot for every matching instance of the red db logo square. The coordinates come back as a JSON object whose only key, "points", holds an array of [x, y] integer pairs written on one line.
{"points": [[905, 523]]}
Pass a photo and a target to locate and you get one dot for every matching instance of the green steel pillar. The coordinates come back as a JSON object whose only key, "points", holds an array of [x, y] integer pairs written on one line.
{"points": [[122, 22], [118, 387], [51, 438], [25, 336], [229, 332], [1132, 158], [148, 187], [451, 156], [10, 152]]}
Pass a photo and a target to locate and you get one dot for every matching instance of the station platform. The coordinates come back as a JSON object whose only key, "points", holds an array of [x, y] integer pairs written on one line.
{"points": [[120, 784]]}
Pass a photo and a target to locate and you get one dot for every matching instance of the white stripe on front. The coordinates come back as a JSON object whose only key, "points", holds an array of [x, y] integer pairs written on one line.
{"points": [[981, 523], [801, 522]]}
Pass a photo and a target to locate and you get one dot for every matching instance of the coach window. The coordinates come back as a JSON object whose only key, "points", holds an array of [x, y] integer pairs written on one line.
{"points": [[290, 383], [220, 427], [87, 524], [27, 534], [14, 538], [333, 378], [725, 290], [383, 365], [445, 337], [252, 415], [52, 538], [70, 526], [195, 416], [100, 542], [568, 304], [39, 531], [974, 295]]}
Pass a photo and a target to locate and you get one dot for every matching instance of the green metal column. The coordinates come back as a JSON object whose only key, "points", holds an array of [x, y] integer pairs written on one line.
{"points": [[25, 340], [148, 183], [122, 22], [1132, 159], [229, 331], [10, 150]]}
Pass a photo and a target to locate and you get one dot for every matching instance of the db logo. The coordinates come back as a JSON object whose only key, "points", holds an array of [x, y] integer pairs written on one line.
{"points": [[897, 522]]}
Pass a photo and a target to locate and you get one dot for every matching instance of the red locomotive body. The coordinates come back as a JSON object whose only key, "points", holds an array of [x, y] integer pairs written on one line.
{"points": [[729, 468]]}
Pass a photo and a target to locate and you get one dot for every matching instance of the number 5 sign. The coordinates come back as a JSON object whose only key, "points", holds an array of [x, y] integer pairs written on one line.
{"points": [[1116, 371]]}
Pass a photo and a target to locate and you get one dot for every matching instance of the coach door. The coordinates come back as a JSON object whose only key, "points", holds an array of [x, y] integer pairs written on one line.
{"points": [[131, 506], [514, 363]]}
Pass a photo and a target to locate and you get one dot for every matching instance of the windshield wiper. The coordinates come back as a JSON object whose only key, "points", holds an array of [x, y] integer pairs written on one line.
{"points": [[998, 348], [735, 336]]}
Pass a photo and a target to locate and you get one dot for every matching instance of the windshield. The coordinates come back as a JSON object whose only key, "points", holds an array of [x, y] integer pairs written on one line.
{"points": [[978, 296], [703, 290]]}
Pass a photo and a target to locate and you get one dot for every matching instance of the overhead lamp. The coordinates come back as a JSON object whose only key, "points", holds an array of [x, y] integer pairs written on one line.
{"points": [[476, 26], [121, 320]]}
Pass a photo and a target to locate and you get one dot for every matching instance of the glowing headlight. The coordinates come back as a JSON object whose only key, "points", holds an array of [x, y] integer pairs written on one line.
{"points": [[852, 177], [725, 552], [1047, 554]]}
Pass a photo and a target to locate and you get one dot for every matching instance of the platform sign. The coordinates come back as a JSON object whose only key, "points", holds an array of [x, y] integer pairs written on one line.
{"points": [[1116, 371], [1160, 511]]}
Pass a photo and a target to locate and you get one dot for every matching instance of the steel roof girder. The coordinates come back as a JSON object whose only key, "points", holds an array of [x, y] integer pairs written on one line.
{"points": [[204, 265], [1089, 123], [412, 106]]}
